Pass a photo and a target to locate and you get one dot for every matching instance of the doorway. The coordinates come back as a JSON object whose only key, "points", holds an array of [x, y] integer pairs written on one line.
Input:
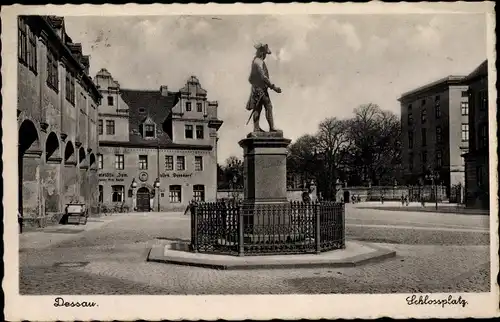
{"points": [[143, 196], [347, 196]]}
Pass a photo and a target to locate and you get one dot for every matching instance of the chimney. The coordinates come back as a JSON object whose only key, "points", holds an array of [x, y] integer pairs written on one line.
{"points": [[164, 90]]}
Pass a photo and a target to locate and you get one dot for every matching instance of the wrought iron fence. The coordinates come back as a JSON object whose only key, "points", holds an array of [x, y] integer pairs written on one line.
{"points": [[238, 228]]}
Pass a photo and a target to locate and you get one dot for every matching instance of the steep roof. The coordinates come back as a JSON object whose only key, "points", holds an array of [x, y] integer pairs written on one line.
{"points": [[148, 103]]}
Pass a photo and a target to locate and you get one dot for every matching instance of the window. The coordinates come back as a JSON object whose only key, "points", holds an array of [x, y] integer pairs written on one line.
{"points": [[465, 108], [111, 101], [483, 100], [101, 193], [22, 41], [174, 194], [410, 140], [142, 110], [100, 161], [52, 71], [70, 87], [437, 105], [118, 194], [110, 127], [424, 157], [119, 162], [483, 136], [199, 192], [423, 115], [199, 107], [439, 159], [479, 176], [181, 163], [32, 56], [143, 162], [465, 132], [410, 161], [423, 102], [465, 94], [439, 134], [188, 106], [188, 131], [149, 130], [410, 118], [424, 137], [199, 132], [169, 163], [100, 127], [198, 163]]}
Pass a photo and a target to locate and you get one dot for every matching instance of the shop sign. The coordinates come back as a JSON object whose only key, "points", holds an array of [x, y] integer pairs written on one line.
{"points": [[175, 175], [109, 176]]}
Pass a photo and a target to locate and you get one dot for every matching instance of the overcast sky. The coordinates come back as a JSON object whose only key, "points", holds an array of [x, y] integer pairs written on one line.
{"points": [[326, 65]]}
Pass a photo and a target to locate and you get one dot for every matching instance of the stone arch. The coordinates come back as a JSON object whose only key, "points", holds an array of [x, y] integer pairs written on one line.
{"points": [[92, 160], [69, 153], [28, 137], [81, 155], [52, 150]]}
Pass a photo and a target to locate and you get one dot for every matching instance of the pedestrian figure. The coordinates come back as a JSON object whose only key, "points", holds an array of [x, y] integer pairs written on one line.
{"points": [[422, 201], [382, 199], [402, 200]]}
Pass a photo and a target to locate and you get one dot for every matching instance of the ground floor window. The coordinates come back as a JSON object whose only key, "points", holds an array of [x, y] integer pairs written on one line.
{"points": [[118, 194], [175, 194], [199, 192], [101, 193]]}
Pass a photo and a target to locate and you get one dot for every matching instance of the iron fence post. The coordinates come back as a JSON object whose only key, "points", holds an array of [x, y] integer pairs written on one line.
{"points": [[194, 228], [241, 240], [343, 224], [317, 215]]}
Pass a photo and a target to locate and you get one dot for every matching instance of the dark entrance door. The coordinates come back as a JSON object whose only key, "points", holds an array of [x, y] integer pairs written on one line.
{"points": [[143, 199]]}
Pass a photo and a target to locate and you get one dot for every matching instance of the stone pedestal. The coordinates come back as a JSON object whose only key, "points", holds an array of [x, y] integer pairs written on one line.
{"points": [[265, 167], [265, 201]]}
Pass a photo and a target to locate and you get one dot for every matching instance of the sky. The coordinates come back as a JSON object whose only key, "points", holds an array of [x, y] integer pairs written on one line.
{"points": [[326, 65]]}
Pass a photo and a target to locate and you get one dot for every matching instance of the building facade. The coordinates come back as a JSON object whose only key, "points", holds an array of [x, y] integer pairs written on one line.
{"points": [[57, 122], [158, 148], [477, 159], [435, 132]]}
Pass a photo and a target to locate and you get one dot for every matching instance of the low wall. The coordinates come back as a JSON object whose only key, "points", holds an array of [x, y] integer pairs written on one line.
{"points": [[292, 195]]}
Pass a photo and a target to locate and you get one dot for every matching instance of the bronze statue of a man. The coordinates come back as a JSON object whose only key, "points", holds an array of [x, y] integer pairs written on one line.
{"points": [[259, 97]]}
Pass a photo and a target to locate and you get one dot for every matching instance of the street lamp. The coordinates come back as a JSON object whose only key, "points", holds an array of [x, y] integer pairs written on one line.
{"points": [[133, 184], [157, 187], [433, 176]]}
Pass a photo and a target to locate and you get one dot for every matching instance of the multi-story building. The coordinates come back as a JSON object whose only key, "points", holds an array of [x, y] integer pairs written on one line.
{"points": [[435, 132], [477, 159], [158, 148], [57, 121]]}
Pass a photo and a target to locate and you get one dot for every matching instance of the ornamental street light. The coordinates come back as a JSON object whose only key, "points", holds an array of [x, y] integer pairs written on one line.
{"points": [[433, 176], [157, 186], [133, 185]]}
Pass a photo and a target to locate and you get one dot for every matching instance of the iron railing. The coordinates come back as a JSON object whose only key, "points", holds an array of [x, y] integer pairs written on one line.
{"points": [[237, 228]]}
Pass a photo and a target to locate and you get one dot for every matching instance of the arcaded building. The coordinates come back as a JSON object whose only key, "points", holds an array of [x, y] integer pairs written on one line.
{"points": [[435, 132], [477, 159], [158, 148], [57, 122]]}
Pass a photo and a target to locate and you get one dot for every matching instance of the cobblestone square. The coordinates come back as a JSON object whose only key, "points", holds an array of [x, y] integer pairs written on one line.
{"points": [[440, 253]]}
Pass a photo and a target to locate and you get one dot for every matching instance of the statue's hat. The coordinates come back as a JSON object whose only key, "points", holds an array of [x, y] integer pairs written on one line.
{"points": [[263, 47]]}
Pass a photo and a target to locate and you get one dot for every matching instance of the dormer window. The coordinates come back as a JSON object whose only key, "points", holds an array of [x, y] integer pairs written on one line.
{"points": [[188, 106], [142, 110], [110, 101], [199, 107], [149, 130]]}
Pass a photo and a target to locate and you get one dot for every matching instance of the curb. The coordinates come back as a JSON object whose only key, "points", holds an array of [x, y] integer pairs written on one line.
{"points": [[156, 254]]}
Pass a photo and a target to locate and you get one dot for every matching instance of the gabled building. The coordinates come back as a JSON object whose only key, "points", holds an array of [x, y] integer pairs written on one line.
{"points": [[477, 159], [158, 148], [57, 122]]}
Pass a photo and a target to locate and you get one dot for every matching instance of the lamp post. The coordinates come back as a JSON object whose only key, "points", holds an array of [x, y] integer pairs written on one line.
{"points": [[133, 185], [157, 187], [433, 176]]}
